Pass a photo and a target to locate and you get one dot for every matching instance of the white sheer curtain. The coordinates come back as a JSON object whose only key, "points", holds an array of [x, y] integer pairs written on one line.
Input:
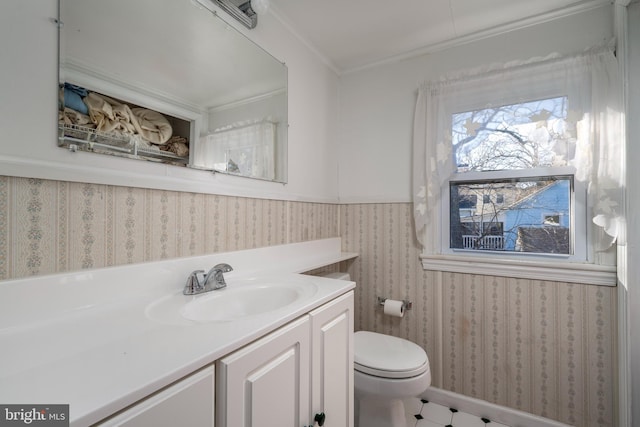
{"points": [[596, 146], [245, 149]]}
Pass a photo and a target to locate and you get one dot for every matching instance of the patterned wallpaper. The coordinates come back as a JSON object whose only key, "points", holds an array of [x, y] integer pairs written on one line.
{"points": [[543, 347], [56, 226]]}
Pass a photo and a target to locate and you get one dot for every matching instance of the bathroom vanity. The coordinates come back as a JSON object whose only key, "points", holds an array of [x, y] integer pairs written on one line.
{"points": [[122, 346], [270, 382]]}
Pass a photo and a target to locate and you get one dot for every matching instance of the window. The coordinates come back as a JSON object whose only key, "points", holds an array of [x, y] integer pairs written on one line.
{"points": [[553, 220], [243, 149], [522, 162], [514, 140], [509, 227]]}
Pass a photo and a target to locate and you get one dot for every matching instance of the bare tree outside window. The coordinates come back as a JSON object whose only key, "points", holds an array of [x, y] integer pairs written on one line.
{"points": [[511, 214], [510, 137]]}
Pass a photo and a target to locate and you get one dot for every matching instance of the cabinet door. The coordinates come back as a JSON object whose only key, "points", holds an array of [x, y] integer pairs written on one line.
{"points": [[187, 403], [266, 384], [332, 366]]}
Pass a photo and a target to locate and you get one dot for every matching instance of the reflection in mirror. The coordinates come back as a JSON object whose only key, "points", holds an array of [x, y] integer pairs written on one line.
{"points": [[169, 81]]}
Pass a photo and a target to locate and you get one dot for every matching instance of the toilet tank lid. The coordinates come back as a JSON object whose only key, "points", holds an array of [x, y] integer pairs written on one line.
{"points": [[387, 353]]}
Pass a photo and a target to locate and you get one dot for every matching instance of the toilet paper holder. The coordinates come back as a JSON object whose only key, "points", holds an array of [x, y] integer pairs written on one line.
{"points": [[405, 303]]}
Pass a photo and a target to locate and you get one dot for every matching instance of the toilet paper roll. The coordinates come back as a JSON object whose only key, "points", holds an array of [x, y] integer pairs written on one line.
{"points": [[393, 308]]}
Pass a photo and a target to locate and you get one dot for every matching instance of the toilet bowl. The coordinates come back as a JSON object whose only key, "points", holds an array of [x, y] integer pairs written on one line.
{"points": [[388, 369]]}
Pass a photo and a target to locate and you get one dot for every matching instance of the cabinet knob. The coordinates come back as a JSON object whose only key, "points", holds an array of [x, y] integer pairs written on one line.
{"points": [[319, 418]]}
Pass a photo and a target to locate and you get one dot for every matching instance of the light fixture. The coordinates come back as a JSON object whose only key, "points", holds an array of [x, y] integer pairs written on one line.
{"points": [[245, 11], [260, 6]]}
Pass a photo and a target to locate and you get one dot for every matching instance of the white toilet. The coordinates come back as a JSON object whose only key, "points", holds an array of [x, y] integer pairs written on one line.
{"points": [[387, 369]]}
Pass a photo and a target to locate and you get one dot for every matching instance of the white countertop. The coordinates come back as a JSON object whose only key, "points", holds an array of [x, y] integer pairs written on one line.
{"points": [[84, 339]]}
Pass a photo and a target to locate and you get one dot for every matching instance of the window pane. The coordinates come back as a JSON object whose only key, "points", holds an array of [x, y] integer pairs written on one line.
{"points": [[533, 216], [518, 136]]}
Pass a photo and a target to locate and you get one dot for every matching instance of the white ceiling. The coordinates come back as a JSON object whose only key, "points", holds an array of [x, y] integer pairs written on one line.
{"points": [[352, 34]]}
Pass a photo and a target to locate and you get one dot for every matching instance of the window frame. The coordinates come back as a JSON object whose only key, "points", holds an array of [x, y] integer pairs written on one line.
{"points": [[579, 230]]}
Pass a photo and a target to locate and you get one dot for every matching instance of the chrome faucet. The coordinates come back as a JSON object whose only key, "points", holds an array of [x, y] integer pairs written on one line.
{"points": [[198, 282]]}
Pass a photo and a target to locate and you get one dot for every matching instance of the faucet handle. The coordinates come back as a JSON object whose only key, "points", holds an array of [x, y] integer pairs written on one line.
{"points": [[214, 279], [195, 282], [225, 268]]}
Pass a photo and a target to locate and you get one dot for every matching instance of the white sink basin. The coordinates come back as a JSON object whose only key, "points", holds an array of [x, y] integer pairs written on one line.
{"points": [[241, 298], [234, 303]]}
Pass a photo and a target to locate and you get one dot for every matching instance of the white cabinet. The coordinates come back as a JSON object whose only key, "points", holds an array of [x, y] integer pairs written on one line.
{"points": [[287, 377], [187, 403], [332, 361], [280, 380], [267, 383]]}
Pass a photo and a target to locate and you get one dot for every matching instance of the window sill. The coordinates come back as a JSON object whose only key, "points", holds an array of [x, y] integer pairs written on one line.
{"points": [[589, 274]]}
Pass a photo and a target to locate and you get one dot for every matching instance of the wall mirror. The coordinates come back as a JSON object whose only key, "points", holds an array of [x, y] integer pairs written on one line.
{"points": [[170, 81]]}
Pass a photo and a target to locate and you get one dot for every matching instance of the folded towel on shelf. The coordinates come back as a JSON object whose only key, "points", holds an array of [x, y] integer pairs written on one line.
{"points": [[108, 114], [122, 114], [73, 117], [82, 92], [153, 126], [178, 138], [178, 148], [72, 96]]}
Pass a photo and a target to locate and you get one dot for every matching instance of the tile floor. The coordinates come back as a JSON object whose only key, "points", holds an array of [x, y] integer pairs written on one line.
{"points": [[422, 413]]}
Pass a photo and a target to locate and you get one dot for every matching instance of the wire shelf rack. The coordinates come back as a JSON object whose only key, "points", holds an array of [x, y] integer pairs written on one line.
{"points": [[77, 137]]}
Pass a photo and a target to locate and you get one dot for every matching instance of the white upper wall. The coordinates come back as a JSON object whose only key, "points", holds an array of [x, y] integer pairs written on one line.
{"points": [[28, 116], [377, 104], [349, 136]]}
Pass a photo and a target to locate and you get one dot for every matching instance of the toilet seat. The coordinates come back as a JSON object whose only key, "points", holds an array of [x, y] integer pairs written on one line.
{"points": [[388, 356]]}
